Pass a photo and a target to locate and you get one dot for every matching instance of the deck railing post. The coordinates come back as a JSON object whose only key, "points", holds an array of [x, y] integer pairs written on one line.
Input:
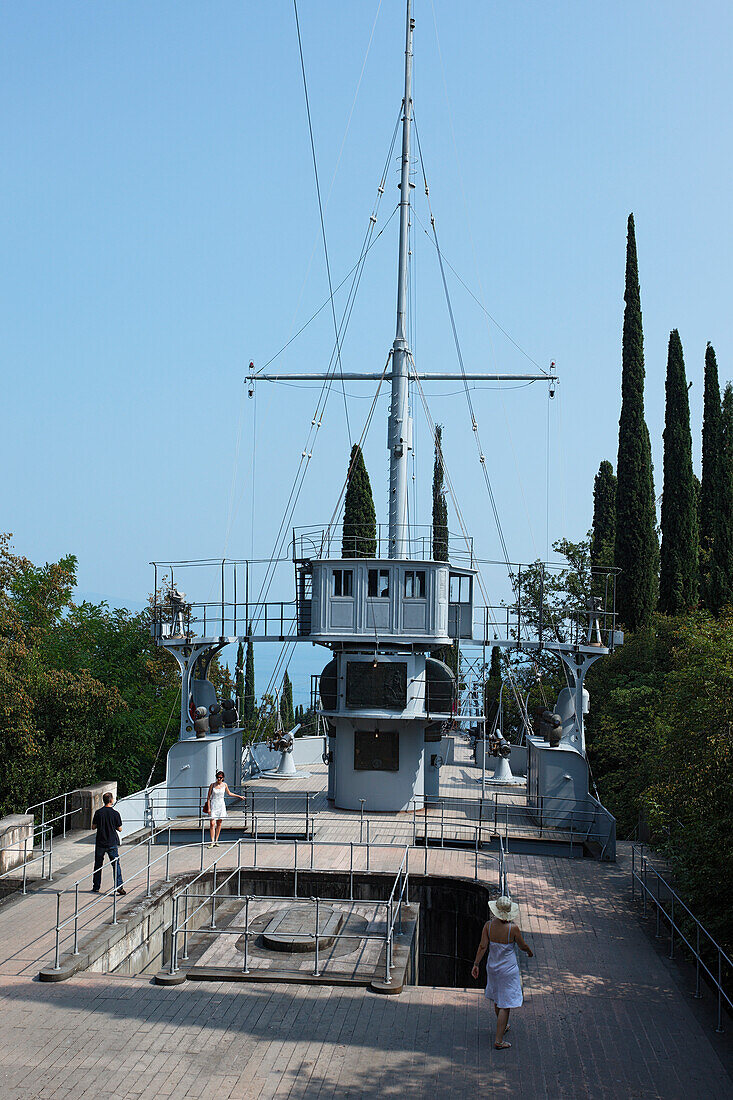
{"points": [[351, 871], [316, 971], [442, 816], [475, 855], [387, 974], [168, 857], [147, 877], [256, 831], [50, 855], [76, 918], [213, 897], [361, 821], [312, 853], [414, 822], [274, 814], [25, 873], [174, 939], [185, 924], [56, 963], [307, 816], [658, 905], [64, 815], [114, 891], [295, 866], [245, 967]]}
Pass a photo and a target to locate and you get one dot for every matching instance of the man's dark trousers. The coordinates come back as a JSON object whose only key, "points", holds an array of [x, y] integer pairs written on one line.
{"points": [[114, 858]]}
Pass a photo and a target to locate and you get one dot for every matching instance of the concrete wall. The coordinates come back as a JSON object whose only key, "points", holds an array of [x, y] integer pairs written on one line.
{"points": [[88, 800], [16, 840]]}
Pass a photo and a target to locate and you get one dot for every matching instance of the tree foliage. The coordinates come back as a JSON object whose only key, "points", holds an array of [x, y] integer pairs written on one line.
{"points": [[678, 558], [720, 588], [360, 517], [86, 694], [249, 698], [440, 508], [287, 714], [712, 472], [637, 548], [603, 532], [660, 737]]}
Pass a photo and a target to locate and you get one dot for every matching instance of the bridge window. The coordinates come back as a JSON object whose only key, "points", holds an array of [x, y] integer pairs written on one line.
{"points": [[460, 589], [379, 583], [415, 584], [343, 582]]}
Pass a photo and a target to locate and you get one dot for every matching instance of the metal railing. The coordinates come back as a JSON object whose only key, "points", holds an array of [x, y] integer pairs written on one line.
{"points": [[497, 813], [21, 869], [66, 812], [314, 543], [641, 869], [399, 894], [255, 843]]}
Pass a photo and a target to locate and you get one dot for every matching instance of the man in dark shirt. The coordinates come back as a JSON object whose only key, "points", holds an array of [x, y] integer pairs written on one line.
{"points": [[108, 824]]}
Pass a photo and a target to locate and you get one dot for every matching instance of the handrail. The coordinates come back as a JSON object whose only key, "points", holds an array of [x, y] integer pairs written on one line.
{"points": [[640, 877], [45, 832], [60, 817]]}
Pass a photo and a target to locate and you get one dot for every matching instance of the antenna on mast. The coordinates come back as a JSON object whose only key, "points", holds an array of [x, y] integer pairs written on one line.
{"points": [[399, 427]]}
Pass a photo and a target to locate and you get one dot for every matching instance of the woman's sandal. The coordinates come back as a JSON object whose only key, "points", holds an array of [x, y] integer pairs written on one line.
{"points": [[502, 1046]]}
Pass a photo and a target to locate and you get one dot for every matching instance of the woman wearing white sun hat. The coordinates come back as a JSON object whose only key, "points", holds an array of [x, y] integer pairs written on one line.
{"points": [[503, 984]]}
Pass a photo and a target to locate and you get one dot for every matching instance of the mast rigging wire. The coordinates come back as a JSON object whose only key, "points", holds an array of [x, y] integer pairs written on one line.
{"points": [[323, 223]]}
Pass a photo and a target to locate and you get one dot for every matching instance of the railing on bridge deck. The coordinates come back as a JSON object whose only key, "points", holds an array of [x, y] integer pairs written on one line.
{"points": [[254, 845], [682, 922]]}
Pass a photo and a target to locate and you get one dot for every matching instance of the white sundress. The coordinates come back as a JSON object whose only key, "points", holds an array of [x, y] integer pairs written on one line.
{"points": [[217, 805], [503, 983]]}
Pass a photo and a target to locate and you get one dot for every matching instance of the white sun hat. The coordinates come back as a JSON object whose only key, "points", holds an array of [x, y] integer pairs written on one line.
{"points": [[504, 908]]}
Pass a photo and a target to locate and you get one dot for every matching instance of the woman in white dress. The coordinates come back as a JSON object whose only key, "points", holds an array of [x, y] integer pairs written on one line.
{"points": [[217, 807], [503, 984]]}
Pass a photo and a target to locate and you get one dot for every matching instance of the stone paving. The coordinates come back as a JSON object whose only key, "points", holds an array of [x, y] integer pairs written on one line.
{"points": [[605, 1016]]}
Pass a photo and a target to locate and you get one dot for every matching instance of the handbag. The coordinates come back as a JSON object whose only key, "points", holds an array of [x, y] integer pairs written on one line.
{"points": [[206, 807]]}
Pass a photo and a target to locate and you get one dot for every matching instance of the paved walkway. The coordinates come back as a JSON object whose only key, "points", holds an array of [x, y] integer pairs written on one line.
{"points": [[604, 1017]]}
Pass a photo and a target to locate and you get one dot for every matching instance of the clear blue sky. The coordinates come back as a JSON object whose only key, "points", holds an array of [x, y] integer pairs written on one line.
{"points": [[160, 229]]}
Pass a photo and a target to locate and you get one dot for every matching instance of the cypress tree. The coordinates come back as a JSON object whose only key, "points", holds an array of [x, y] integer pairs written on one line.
{"points": [[721, 558], [636, 546], [360, 517], [440, 508], [287, 713], [711, 469], [249, 699], [239, 675], [678, 559], [603, 534], [493, 684]]}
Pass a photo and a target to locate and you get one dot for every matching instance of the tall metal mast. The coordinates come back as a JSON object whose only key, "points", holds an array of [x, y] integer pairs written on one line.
{"points": [[399, 430]]}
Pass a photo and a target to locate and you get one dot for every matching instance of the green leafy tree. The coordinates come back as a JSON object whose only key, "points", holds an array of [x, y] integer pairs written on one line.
{"points": [[440, 508], [239, 675], [712, 473], [249, 698], [720, 591], [637, 549], [661, 746], [360, 517], [603, 533], [679, 555], [287, 714]]}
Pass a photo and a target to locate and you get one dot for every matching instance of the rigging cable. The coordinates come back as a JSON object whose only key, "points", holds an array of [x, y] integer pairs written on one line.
{"points": [[326, 386], [323, 223]]}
